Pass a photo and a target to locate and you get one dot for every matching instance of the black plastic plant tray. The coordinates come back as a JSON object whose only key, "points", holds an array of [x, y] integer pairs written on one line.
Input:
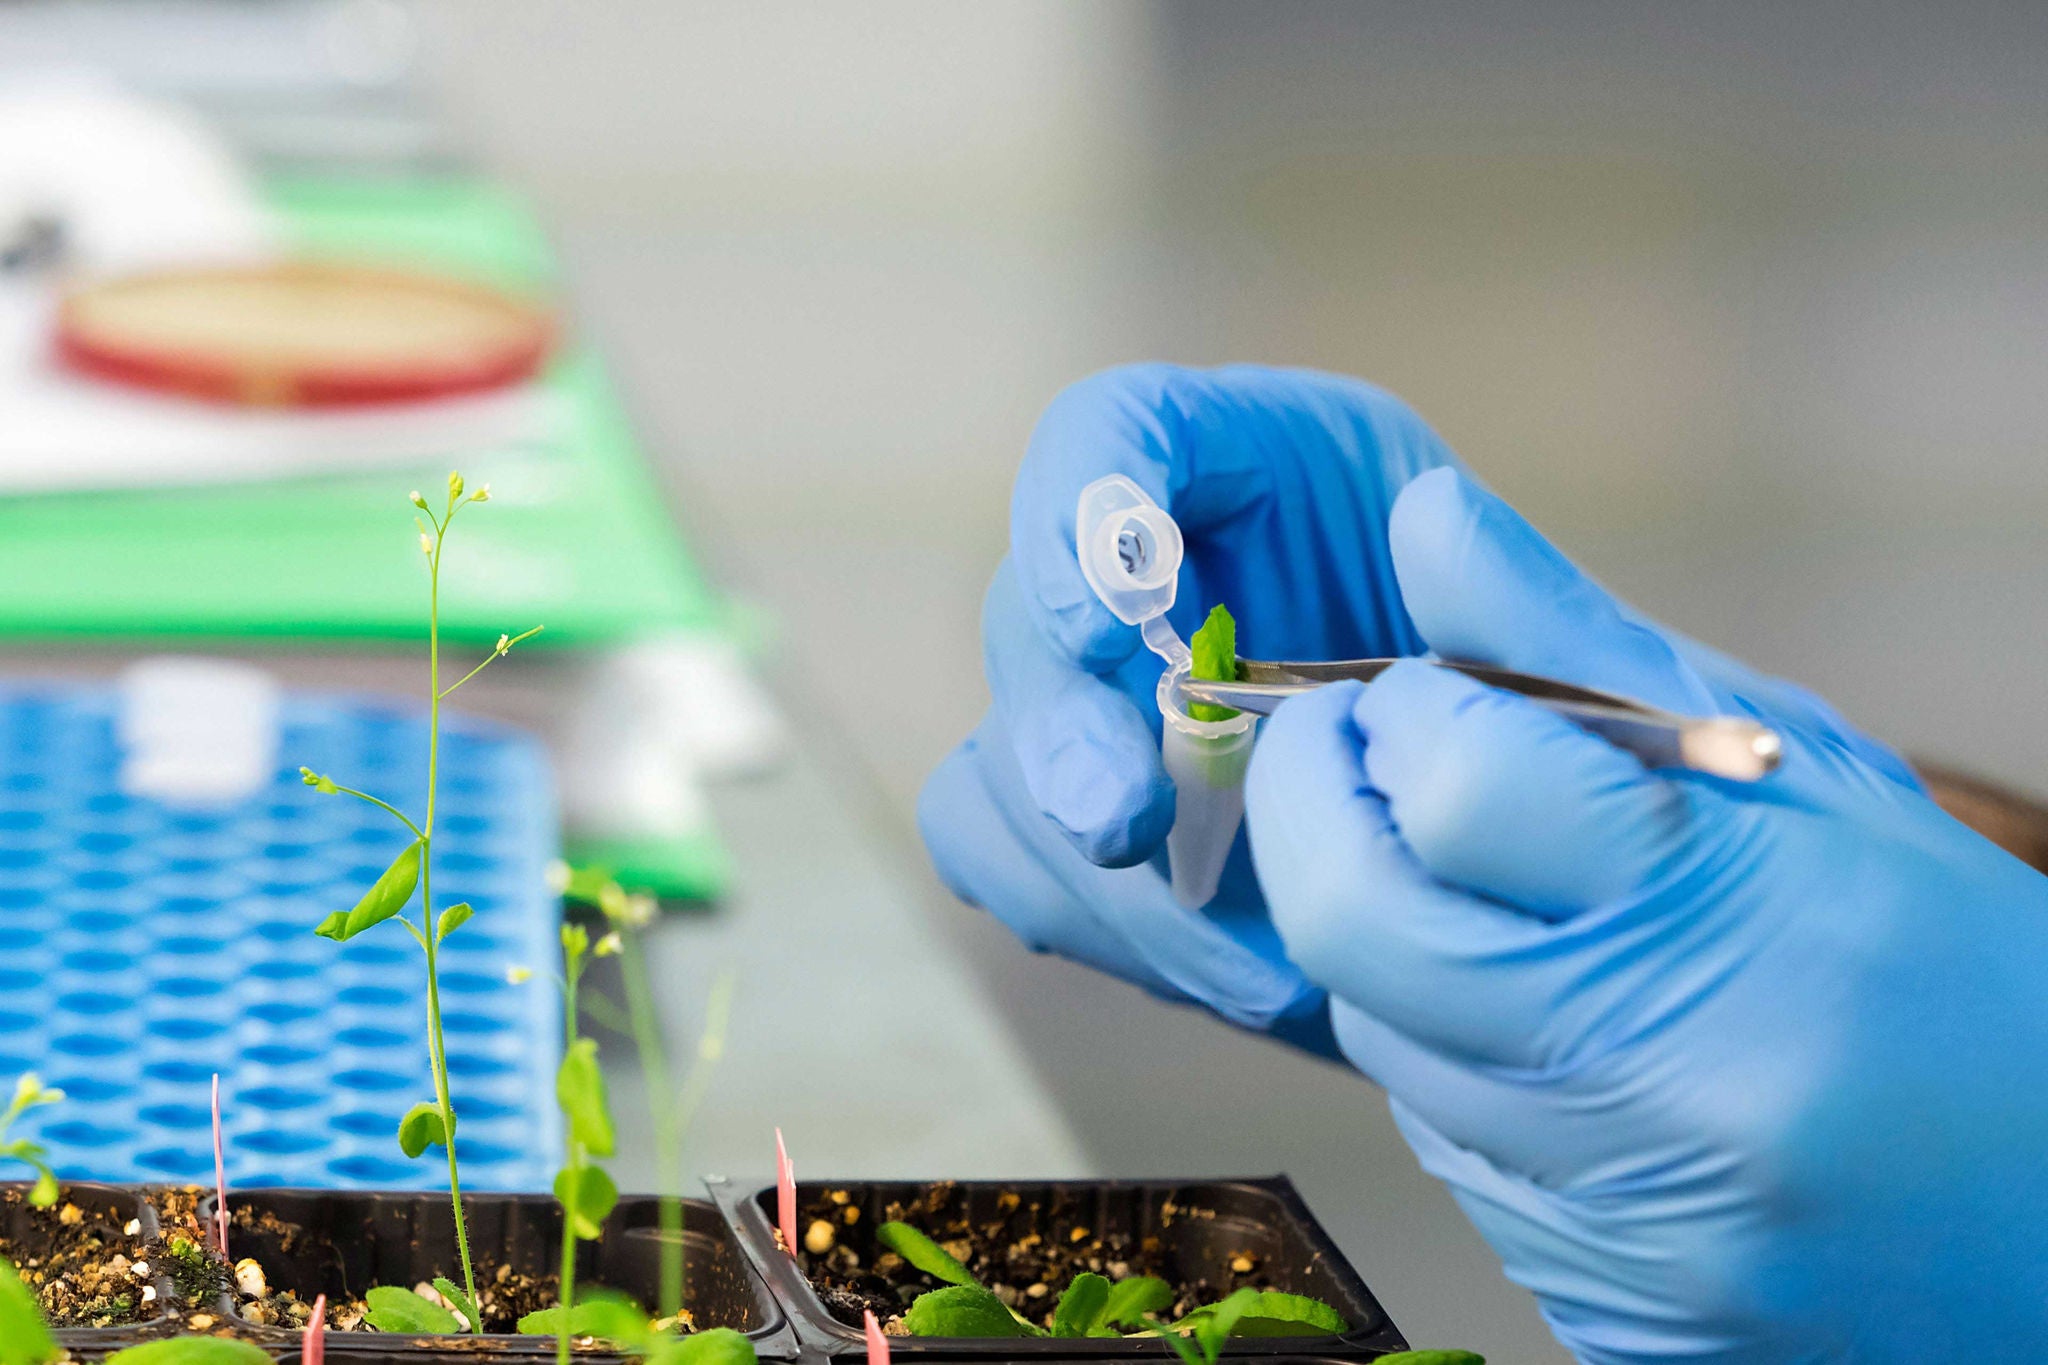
{"points": [[342, 1242], [1201, 1225], [110, 1210]]}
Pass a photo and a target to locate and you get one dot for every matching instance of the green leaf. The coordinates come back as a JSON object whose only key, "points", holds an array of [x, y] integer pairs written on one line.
{"points": [[964, 1310], [43, 1193], [718, 1346], [1081, 1307], [1214, 648], [421, 1128], [922, 1252], [579, 1090], [1266, 1313], [464, 1305], [192, 1351], [24, 1339], [381, 901], [613, 1317], [1432, 1358], [453, 918], [587, 1196], [1132, 1301], [393, 1309]]}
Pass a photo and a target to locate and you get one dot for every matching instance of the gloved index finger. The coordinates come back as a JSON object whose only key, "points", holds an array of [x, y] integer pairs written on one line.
{"points": [[1141, 421]]}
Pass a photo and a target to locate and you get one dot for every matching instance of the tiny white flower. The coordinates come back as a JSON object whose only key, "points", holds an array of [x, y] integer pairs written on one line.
{"points": [[426, 543], [518, 976], [639, 910], [608, 945], [482, 494], [504, 643], [416, 500], [558, 876]]}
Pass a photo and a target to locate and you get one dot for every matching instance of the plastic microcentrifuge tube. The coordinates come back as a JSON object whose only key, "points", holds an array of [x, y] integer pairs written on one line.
{"points": [[1130, 552]]}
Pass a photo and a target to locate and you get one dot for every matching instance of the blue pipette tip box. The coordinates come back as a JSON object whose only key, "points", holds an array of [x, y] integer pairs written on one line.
{"points": [[145, 947]]}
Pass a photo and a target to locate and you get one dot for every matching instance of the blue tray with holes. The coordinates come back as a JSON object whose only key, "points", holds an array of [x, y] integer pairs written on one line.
{"points": [[145, 947]]}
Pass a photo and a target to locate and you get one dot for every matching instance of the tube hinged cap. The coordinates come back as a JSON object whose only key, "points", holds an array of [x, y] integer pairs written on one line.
{"points": [[1129, 548]]}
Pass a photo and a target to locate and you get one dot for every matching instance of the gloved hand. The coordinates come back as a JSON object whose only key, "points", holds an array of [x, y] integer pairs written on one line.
{"points": [[1724, 1073], [1047, 815], [1282, 481]]}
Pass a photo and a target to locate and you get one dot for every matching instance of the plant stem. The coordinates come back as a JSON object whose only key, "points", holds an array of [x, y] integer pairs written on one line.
{"points": [[437, 1044], [572, 968]]}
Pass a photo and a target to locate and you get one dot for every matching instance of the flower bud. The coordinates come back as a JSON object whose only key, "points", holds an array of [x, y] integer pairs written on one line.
{"points": [[426, 544], [454, 484], [608, 946], [482, 494], [416, 500]]}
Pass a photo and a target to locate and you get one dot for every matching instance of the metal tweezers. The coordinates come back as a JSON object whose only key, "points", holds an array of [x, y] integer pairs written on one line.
{"points": [[1722, 746]]}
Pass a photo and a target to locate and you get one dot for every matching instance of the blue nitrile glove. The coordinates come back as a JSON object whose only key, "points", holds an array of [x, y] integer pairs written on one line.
{"points": [[1724, 1072], [1281, 481]]}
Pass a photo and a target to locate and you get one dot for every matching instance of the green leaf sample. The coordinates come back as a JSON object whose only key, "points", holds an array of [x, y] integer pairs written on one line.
{"points": [[421, 1128], [1132, 1301], [964, 1310], [587, 1196], [922, 1252], [24, 1338], [1082, 1307], [1215, 660], [1432, 1358], [192, 1351], [381, 901], [394, 1309]]}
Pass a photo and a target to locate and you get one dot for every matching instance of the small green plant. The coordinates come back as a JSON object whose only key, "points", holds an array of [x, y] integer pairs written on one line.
{"points": [[24, 1337], [585, 1192], [1432, 1358], [430, 1123], [1214, 648], [1093, 1306], [627, 916], [31, 1093]]}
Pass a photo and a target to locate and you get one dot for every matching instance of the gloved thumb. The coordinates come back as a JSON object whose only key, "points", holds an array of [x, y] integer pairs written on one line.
{"points": [[1482, 585], [1497, 795]]}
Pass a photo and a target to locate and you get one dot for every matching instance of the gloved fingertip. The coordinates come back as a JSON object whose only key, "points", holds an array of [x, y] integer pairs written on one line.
{"points": [[1112, 820], [1092, 767]]}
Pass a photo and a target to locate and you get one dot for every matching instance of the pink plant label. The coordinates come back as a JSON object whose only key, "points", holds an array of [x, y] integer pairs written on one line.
{"points": [[220, 1177], [314, 1348], [878, 1345], [785, 1195]]}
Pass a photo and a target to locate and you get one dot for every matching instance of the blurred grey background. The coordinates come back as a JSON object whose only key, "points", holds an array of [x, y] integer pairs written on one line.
{"points": [[1745, 304]]}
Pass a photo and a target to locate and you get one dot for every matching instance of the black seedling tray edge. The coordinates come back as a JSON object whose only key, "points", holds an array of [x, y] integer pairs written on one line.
{"points": [[746, 1207]]}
